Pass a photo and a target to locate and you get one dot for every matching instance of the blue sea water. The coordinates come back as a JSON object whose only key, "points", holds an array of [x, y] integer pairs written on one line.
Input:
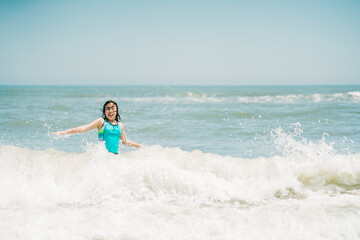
{"points": [[260, 162], [227, 120]]}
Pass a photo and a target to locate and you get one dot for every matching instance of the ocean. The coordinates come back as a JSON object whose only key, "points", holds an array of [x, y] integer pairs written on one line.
{"points": [[220, 162]]}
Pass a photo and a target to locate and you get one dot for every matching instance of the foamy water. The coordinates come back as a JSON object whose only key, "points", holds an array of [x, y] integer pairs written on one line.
{"points": [[220, 163], [297, 98], [310, 192]]}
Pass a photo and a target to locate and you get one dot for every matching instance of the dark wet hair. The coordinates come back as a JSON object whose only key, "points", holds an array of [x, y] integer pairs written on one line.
{"points": [[117, 118]]}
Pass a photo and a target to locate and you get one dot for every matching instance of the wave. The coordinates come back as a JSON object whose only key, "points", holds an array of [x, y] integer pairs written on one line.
{"points": [[187, 98], [352, 97], [354, 94], [194, 97], [193, 195], [52, 177]]}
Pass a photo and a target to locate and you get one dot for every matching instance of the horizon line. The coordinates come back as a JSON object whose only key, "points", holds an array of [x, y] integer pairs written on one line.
{"points": [[174, 85]]}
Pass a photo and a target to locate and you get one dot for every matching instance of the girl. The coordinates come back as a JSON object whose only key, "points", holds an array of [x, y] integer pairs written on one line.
{"points": [[109, 128]]}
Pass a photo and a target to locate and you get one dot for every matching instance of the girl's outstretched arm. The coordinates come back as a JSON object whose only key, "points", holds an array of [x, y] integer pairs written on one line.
{"points": [[97, 123], [126, 141]]}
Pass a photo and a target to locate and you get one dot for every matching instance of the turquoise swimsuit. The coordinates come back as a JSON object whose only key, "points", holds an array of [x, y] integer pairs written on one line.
{"points": [[111, 135]]}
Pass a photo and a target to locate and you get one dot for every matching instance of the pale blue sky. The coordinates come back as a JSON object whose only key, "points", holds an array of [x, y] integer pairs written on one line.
{"points": [[180, 42]]}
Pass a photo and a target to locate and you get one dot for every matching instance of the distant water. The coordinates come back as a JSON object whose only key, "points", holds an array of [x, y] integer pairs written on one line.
{"points": [[229, 162]]}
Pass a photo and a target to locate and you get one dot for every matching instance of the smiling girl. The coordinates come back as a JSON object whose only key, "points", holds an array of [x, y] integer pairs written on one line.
{"points": [[109, 128]]}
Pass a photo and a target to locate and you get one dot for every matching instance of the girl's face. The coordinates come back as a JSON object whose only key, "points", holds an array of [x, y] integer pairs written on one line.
{"points": [[110, 111]]}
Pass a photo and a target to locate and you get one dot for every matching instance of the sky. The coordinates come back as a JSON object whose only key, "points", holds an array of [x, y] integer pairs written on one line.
{"points": [[184, 42]]}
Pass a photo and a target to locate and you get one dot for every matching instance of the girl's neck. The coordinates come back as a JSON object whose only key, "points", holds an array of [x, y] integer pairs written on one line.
{"points": [[111, 121]]}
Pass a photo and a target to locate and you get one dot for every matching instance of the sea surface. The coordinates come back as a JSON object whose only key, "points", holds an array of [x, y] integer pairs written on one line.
{"points": [[220, 162]]}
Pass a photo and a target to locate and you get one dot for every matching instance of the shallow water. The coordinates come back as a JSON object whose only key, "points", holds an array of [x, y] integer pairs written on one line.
{"points": [[221, 163]]}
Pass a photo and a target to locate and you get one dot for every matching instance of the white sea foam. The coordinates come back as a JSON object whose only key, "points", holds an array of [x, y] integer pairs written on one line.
{"points": [[296, 98], [165, 99], [155, 192], [354, 94], [188, 97], [193, 97]]}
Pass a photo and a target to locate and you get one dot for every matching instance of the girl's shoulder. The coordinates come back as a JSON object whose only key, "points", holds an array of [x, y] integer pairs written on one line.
{"points": [[100, 121]]}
